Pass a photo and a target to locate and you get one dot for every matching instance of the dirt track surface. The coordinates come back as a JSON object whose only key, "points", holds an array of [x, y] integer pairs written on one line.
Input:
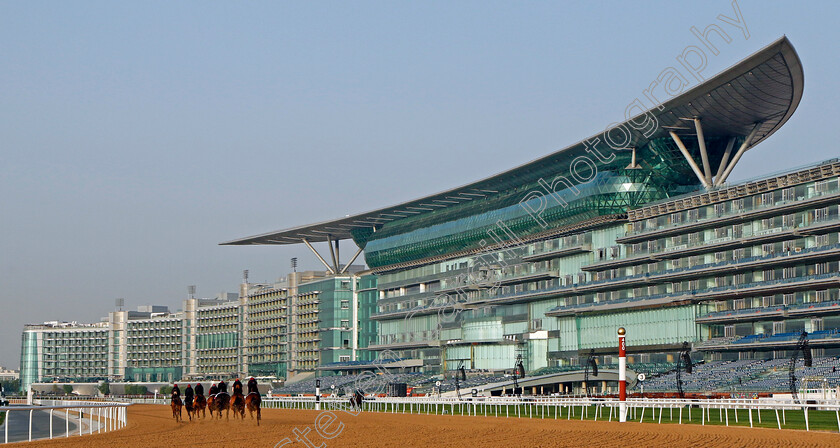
{"points": [[152, 426]]}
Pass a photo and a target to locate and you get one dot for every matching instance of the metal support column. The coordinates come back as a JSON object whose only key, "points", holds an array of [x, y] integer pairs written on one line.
{"points": [[704, 155], [352, 259], [318, 255], [690, 160], [332, 253], [725, 159], [738, 155]]}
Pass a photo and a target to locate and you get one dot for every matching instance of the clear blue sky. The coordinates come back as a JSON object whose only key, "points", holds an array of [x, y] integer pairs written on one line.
{"points": [[136, 136]]}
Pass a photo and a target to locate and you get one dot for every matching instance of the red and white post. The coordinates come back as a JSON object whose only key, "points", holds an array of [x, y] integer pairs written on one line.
{"points": [[622, 376]]}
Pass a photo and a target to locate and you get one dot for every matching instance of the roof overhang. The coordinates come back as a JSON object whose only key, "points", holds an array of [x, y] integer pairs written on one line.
{"points": [[764, 88]]}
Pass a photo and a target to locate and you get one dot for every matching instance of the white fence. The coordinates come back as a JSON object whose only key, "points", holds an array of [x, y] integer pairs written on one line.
{"points": [[552, 407], [104, 416]]}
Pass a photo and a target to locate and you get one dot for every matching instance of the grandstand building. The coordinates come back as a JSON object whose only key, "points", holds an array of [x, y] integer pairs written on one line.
{"points": [[635, 227]]}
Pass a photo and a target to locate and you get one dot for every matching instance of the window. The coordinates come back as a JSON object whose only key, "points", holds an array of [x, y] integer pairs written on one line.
{"points": [[676, 218], [789, 272], [821, 214], [738, 204], [693, 238], [787, 194], [693, 214], [345, 304], [767, 198], [789, 299], [778, 327], [821, 240], [788, 220], [822, 268], [822, 296], [768, 248], [345, 323], [821, 187], [769, 274], [721, 232], [767, 301], [720, 209]]}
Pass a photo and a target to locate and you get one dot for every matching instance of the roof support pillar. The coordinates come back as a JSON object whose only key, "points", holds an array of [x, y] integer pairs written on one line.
{"points": [[738, 155], [332, 252], [704, 155], [326, 265], [690, 160], [352, 259], [725, 159]]}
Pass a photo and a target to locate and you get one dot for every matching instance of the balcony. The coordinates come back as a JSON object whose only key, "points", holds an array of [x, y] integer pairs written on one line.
{"points": [[747, 213]]}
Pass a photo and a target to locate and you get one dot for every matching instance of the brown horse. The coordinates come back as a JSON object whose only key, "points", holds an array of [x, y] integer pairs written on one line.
{"points": [[237, 404], [252, 402], [200, 406], [188, 403], [221, 402], [176, 407]]}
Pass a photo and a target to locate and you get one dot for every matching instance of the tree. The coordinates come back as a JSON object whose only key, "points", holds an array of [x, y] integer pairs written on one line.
{"points": [[68, 389], [11, 386], [105, 388], [134, 389], [165, 390]]}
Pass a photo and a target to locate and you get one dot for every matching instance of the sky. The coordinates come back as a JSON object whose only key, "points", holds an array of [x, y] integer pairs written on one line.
{"points": [[136, 136]]}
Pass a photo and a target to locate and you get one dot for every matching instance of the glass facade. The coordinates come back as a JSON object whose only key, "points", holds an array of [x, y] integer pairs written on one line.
{"points": [[579, 191]]}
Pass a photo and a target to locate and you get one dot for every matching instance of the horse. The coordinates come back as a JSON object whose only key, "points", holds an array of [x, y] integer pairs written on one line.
{"points": [[176, 407], [200, 405], [356, 400], [252, 402], [188, 403], [221, 402], [237, 404]]}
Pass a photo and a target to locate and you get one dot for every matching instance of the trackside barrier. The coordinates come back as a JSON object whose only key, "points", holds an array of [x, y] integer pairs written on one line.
{"points": [[638, 409], [103, 416]]}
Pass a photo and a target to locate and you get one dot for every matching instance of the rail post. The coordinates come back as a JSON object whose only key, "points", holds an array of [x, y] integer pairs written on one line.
{"points": [[622, 376]]}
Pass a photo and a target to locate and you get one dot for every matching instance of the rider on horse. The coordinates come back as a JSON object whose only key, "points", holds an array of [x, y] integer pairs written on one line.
{"points": [[237, 387], [199, 389], [188, 395], [222, 387], [214, 389], [252, 386], [176, 392]]}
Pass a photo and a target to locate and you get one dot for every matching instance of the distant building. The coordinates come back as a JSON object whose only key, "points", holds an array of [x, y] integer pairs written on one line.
{"points": [[292, 327], [8, 374]]}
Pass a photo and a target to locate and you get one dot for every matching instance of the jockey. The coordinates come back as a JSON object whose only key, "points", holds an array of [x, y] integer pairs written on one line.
{"points": [[176, 392], [214, 389], [222, 387], [199, 389], [252, 386], [237, 387], [188, 395]]}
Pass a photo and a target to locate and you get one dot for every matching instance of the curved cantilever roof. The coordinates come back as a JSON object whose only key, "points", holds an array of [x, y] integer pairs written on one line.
{"points": [[764, 88]]}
